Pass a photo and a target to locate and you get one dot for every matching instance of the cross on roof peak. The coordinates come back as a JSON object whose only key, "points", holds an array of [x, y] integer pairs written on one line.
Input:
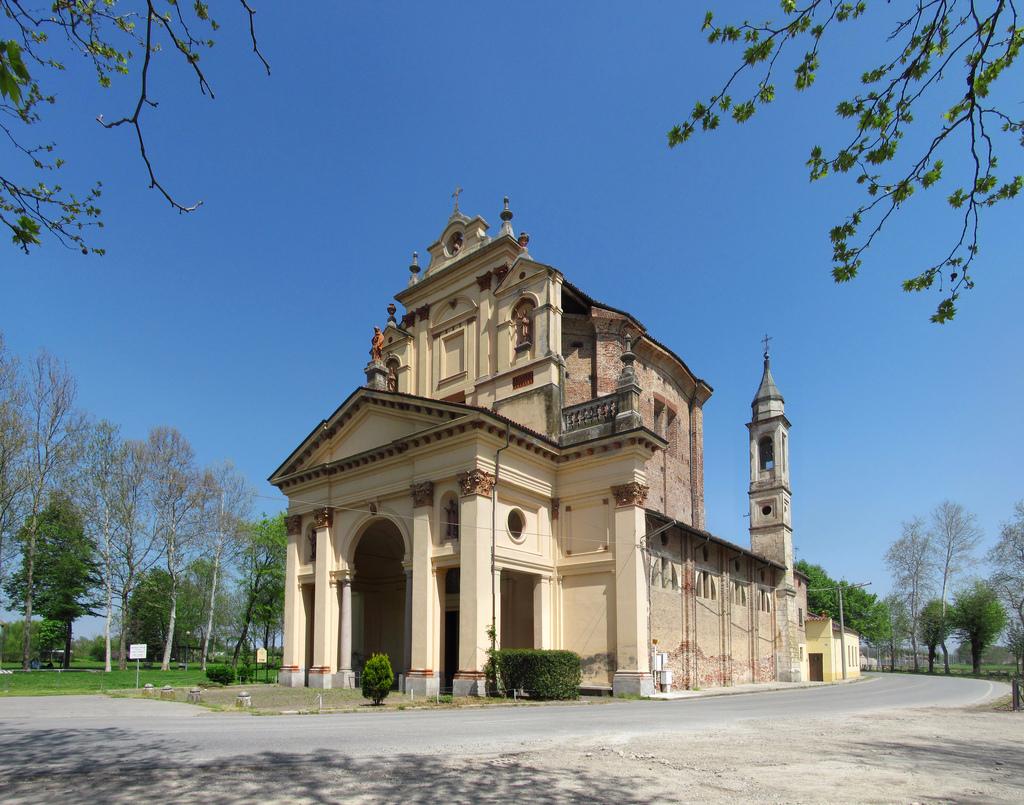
{"points": [[455, 196], [767, 338]]}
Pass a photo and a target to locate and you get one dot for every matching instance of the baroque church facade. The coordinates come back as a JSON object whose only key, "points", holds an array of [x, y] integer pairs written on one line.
{"points": [[527, 457]]}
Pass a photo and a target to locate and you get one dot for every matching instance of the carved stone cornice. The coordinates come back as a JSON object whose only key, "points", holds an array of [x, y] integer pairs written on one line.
{"points": [[323, 518], [422, 493], [293, 524], [631, 494], [476, 482]]}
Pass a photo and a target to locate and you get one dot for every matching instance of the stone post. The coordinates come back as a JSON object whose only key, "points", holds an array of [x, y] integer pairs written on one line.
{"points": [[633, 665]]}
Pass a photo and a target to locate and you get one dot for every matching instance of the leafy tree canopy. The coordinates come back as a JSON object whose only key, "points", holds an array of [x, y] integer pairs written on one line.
{"points": [[977, 618], [862, 611], [66, 574], [108, 39], [944, 61]]}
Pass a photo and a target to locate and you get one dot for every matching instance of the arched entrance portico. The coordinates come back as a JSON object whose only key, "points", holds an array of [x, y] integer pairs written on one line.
{"points": [[379, 590]]}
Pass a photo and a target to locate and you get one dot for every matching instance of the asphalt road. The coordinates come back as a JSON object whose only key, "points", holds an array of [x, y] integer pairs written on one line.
{"points": [[70, 732]]}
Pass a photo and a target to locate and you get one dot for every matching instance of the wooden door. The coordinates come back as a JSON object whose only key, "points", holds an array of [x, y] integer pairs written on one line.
{"points": [[817, 667]]}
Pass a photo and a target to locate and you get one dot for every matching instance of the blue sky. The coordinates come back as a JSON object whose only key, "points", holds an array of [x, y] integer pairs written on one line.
{"points": [[245, 323]]}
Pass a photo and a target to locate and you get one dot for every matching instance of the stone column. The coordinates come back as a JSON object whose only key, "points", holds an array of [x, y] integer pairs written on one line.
{"points": [[323, 607], [497, 600], [542, 612], [345, 678], [292, 673], [421, 597], [407, 623], [475, 589], [632, 650]]}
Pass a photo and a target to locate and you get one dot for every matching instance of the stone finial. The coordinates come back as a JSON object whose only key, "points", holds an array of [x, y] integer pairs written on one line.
{"points": [[628, 374], [392, 309], [506, 220], [524, 240], [414, 269]]}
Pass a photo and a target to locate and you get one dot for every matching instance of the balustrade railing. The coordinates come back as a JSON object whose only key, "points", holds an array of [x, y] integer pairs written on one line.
{"points": [[592, 412]]}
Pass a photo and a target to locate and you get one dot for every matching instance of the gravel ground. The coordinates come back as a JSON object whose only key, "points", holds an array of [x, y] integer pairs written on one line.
{"points": [[912, 756]]}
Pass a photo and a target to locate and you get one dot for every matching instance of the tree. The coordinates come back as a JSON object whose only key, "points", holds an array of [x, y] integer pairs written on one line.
{"points": [[377, 678], [66, 571], [1007, 559], [933, 630], [180, 496], [136, 539], [53, 427], [1015, 645], [911, 563], [899, 626], [862, 611], [972, 45], [13, 455], [261, 574], [977, 618], [233, 508], [954, 536], [104, 452], [106, 35]]}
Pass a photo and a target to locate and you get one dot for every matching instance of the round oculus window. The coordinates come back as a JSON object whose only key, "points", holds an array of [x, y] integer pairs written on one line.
{"points": [[766, 510], [516, 524]]}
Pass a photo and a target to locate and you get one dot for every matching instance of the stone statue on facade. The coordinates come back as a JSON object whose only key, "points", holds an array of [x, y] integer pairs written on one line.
{"points": [[523, 326], [377, 345]]}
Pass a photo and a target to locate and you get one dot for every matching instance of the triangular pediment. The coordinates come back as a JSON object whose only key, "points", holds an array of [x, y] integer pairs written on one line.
{"points": [[367, 419]]}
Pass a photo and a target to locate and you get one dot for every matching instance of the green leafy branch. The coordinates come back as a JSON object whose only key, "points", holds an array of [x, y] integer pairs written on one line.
{"points": [[936, 38], [107, 33]]}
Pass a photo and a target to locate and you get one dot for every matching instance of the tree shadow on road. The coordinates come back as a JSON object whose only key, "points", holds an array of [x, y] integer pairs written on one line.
{"points": [[110, 765]]}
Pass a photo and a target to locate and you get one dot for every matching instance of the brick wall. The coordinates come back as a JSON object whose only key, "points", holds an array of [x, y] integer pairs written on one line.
{"points": [[592, 347], [578, 341], [710, 642]]}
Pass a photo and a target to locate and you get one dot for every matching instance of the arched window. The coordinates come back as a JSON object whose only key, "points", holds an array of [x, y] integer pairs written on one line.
{"points": [[450, 517], [766, 453], [522, 322], [392, 367]]}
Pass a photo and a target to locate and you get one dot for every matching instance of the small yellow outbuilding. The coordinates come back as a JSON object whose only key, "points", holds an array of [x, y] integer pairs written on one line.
{"points": [[826, 652]]}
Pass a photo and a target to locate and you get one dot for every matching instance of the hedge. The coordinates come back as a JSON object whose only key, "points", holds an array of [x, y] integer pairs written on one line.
{"points": [[540, 673], [221, 674]]}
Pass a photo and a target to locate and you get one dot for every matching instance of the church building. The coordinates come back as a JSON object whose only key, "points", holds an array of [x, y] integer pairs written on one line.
{"points": [[527, 458]]}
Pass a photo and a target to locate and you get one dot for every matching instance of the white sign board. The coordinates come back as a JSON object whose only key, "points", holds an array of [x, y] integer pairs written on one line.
{"points": [[261, 656], [137, 651]]}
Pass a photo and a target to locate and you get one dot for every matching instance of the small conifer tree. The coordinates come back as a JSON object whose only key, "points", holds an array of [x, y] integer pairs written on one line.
{"points": [[377, 678]]}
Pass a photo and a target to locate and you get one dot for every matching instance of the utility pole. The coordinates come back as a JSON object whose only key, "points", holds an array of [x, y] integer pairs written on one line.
{"points": [[842, 618]]}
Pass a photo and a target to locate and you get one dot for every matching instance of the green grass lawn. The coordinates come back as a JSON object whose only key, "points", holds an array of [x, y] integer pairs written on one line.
{"points": [[42, 683]]}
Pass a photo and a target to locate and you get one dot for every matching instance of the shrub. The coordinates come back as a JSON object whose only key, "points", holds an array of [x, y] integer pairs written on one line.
{"points": [[377, 678], [543, 674], [246, 673], [221, 674]]}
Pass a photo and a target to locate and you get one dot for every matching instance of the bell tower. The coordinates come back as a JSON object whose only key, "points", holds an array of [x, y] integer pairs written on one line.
{"points": [[771, 516]]}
